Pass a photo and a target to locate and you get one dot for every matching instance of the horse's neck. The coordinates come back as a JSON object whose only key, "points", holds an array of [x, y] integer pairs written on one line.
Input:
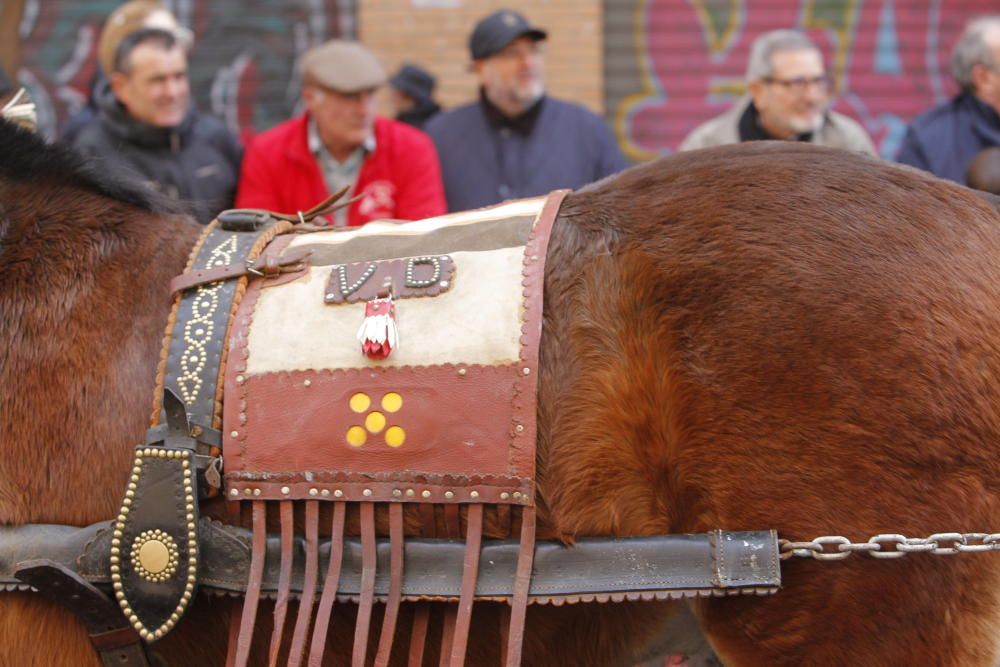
{"points": [[83, 301]]}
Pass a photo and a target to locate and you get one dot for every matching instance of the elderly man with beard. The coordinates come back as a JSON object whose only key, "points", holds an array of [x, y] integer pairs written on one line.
{"points": [[788, 99], [515, 141]]}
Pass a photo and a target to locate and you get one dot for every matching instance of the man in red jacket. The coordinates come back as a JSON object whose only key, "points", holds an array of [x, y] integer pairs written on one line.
{"points": [[340, 142]]}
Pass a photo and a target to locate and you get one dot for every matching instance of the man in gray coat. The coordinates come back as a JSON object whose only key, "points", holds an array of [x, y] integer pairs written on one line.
{"points": [[788, 99]]}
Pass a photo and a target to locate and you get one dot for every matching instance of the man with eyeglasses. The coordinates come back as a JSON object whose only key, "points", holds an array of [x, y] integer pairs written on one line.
{"points": [[515, 141], [946, 139], [788, 99], [340, 142]]}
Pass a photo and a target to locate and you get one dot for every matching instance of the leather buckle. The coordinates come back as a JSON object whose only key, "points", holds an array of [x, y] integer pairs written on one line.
{"points": [[244, 219]]}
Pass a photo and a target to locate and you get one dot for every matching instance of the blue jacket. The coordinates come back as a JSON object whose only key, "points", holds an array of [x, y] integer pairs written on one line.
{"points": [[945, 139], [483, 163]]}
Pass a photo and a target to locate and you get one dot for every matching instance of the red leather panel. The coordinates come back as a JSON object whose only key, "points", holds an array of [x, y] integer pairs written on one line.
{"points": [[460, 434]]}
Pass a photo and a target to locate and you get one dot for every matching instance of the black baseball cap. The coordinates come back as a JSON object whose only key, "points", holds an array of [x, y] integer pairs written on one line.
{"points": [[499, 29]]}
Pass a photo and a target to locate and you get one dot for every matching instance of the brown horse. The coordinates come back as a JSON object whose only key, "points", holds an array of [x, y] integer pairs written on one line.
{"points": [[758, 336]]}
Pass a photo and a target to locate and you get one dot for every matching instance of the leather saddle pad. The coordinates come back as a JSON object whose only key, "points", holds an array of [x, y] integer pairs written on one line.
{"points": [[447, 417]]}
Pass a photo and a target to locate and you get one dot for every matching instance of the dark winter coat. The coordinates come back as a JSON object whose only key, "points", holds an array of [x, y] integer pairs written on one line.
{"points": [[484, 161], [945, 139], [197, 162]]}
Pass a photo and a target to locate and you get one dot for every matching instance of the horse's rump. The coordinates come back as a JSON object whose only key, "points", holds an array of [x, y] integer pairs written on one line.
{"points": [[820, 334]]}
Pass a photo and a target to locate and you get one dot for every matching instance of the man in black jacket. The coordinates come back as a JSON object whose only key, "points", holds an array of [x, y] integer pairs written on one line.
{"points": [[148, 127]]}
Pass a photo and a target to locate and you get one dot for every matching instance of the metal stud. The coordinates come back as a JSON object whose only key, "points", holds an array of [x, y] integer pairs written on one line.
{"points": [[462, 371], [425, 493], [526, 370], [313, 492], [307, 383], [256, 492], [519, 428], [517, 495], [234, 434], [409, 493], [325, 493], [397, 493], [474, 494], [337, 493], [504, 496], [366, 493], [449, 495], [285, 490]]}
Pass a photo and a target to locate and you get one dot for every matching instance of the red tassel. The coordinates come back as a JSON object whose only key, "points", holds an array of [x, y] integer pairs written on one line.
{"points": [[378, 335]]}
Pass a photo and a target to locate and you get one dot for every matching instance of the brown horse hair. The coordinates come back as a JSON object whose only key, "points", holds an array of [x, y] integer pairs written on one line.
{"points": [[767, 335]]}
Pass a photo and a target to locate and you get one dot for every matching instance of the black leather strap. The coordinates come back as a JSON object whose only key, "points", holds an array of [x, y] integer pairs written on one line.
{"points": [[154, 548], [114, 639], [673, 565], [198, 337]]}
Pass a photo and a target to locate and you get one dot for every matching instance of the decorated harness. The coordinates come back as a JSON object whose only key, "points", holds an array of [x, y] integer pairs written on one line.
{"points": [[306, 376]]}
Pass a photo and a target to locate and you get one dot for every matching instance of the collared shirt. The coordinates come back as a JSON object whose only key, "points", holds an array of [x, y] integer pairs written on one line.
{"points": [[338, 175], [751, 130]]}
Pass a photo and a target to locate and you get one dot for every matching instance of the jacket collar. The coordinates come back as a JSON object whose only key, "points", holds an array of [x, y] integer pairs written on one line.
{"points": [[750, 128], [522, 124], [986, 120], [301, 147]]}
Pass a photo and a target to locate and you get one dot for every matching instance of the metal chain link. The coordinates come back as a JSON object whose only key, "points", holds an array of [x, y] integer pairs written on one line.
{"points": [[890, 545]]}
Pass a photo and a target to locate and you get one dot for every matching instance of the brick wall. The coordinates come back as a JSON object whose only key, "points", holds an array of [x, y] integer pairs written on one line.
{"points": [[434, 34]]}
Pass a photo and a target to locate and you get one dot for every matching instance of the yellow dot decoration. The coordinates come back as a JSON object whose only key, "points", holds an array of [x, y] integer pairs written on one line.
{"points": [[392, 402], [395, 436], [356, 436], [375, 422], [360, 402]]}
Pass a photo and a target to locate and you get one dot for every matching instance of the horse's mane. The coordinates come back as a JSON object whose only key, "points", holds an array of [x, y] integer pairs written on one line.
{"points": [[27, 158]]}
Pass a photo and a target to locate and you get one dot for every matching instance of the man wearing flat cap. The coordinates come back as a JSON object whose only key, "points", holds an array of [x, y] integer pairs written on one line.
{"points": [[338, 142], [515, 141]]}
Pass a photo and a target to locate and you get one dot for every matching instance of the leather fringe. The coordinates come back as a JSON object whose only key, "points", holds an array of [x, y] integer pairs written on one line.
{"points": [[329, 596], [522, 584], [284, 578], [257, 554], [302, 620], [395, 585], [368, 564], [470, 572]]}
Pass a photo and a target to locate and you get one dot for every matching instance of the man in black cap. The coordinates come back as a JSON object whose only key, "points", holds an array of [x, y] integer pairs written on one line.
{"points": [[412, 95], [515, 141]]}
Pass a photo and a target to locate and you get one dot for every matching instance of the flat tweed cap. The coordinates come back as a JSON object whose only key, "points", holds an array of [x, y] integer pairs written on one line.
{"points": [[342, 66]]}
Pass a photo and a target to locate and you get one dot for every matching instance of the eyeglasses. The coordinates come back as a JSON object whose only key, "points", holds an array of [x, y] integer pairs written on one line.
{"points": [[801, 84]]}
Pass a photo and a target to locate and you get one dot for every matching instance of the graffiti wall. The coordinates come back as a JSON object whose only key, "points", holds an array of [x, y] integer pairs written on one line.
{"points": [[242, 66], [671, 64]]}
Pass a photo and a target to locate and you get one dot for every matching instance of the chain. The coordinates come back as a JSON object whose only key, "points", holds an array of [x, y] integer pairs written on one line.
{"points": [[890, 545]]}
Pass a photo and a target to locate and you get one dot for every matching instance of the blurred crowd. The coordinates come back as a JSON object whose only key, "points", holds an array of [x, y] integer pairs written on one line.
{"points": [[513, 140]]}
